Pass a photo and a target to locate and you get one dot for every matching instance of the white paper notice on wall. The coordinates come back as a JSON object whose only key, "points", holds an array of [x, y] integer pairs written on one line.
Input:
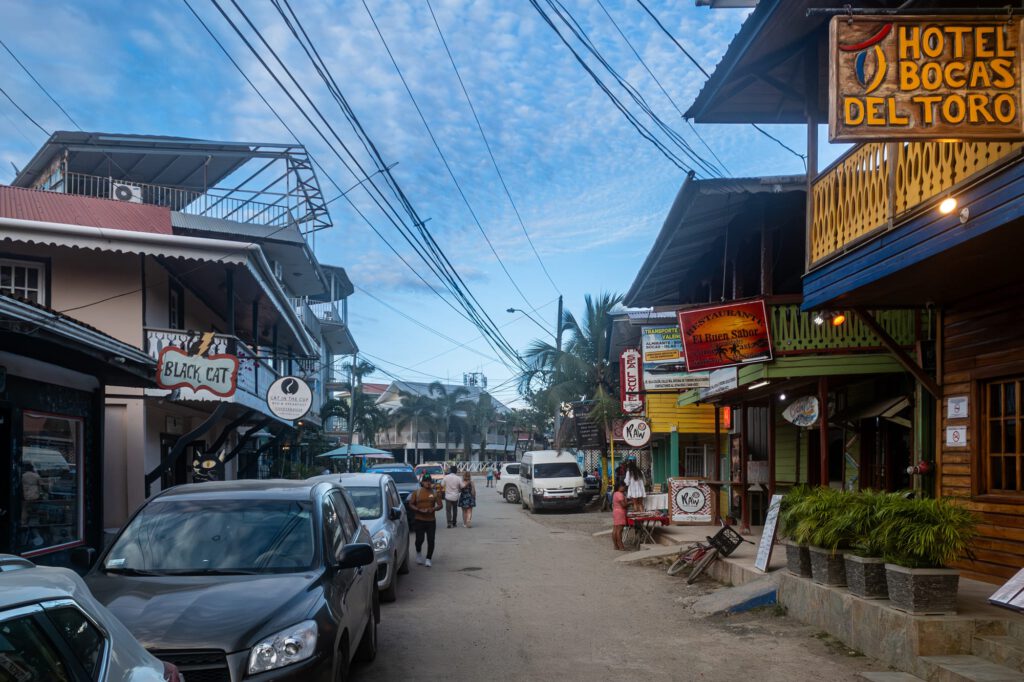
{"points": [[956, 407], [956, 436]]}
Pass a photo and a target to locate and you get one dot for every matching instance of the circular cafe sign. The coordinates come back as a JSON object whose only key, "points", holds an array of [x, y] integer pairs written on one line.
{"points": [[689, 500], [289, 398], [636, 433]]}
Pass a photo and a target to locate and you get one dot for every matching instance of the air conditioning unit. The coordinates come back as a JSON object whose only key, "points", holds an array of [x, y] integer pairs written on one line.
{"points": [[123, 191]]}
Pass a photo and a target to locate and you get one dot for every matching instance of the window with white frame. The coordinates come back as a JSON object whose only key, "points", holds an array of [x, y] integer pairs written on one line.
{"points": [[23, 279]]}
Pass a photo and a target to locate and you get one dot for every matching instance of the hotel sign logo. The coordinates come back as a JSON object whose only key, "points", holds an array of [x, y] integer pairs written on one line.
{"points": [[934, 77]]}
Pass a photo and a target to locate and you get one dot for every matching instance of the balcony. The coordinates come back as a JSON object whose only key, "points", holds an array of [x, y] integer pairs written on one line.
{"points": [[254, 375], [213, 203], [325, 320], [877, 186], [795, 333]]}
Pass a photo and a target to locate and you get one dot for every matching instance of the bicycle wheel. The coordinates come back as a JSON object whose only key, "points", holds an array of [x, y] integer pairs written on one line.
{"points": [[630, 538], [684, 559], [704, 562]]}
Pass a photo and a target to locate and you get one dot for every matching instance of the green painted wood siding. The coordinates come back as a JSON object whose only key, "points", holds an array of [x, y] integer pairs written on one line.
{"points": [[794, 332]]}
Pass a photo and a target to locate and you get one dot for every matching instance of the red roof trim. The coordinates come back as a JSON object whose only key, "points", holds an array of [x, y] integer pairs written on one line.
{"points": [[71, 209]]}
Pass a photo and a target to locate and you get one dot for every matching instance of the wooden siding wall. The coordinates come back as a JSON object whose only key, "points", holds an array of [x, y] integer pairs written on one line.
{"points": [[663, 415], [982, 339]]}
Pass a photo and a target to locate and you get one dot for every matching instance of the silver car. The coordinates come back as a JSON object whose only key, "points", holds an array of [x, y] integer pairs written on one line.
{"points": [[380, 508], [51, 628]]}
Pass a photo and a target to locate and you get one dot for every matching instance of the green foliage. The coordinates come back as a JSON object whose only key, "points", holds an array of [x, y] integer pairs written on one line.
{"points": [[925, 533], [791, 508], [814, 513], [855, 524]]}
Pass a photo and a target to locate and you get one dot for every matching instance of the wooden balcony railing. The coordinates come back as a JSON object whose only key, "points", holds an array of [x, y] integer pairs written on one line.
{"points": [[795, 333], [875, 186]]}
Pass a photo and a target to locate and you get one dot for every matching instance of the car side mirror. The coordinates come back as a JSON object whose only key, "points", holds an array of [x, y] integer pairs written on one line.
{"points": [[395, 514], [355, 555], [83, 558]]}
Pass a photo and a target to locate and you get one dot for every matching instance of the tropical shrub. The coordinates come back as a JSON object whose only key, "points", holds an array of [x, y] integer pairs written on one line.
{"points": [[925, 533]]}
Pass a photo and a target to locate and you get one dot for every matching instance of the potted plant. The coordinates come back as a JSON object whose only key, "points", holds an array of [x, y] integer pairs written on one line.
{"points": [[817, 528], [921, 537], [798, 558], [858, 526]]}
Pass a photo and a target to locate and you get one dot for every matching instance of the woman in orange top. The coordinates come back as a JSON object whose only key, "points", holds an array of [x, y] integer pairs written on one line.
{"points": [[618, 514]]}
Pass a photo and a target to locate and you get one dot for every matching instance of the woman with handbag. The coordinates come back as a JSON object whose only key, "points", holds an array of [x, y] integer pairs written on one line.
{"points": [[467, 499]]}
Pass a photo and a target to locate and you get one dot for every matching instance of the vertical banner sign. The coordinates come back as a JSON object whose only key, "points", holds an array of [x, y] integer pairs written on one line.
{"points": [[588, 431], [726, 335], [630, 381], [924, 77], [664, 365]]}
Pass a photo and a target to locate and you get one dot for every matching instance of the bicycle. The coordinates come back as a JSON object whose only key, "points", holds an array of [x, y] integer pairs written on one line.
{"points": [[699, 555]]}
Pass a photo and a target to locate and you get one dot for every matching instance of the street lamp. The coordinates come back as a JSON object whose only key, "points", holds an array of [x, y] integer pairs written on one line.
{"points": [[558, 347]]}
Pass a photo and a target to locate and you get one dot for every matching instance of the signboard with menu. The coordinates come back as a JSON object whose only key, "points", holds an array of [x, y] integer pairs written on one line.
{"points": [[925, 77], [588, 431], [726, 335], [664, 364]]}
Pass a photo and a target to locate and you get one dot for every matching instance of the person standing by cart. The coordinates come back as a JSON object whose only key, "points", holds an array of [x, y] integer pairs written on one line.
{"points": [[619, 514], [424, 503], [635, 490]]}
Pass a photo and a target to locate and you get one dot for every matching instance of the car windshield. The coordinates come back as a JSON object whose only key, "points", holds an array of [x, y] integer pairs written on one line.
{"points": [[194, 537], [368, 501], [431, 470], [556, 470], [403, 476]]}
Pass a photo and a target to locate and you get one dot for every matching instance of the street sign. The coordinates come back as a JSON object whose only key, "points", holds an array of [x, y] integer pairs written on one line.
{"points": [[289, 398], [925, 77]]}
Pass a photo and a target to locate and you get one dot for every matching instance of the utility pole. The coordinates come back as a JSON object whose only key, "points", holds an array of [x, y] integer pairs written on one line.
{"points": [[351, 407], [558, 347]]}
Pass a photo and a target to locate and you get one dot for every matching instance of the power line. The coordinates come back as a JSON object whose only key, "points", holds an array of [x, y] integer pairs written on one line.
{"points": [[660, 86], [34, 80], [689, 56], [444, 159], [487, 144], [23, 112]]}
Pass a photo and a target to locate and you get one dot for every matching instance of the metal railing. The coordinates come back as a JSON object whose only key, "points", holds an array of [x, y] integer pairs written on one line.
{"points": [[328, 312], [875, 186], [213, 203]]}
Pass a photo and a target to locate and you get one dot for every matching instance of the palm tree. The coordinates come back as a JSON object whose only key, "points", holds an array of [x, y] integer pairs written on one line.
{"points": [[482, 414], [580, 371], [416, 410], [450, 405]]}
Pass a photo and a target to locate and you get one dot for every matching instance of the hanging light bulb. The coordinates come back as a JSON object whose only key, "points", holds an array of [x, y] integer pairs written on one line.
{"points": [[947, 205], [838, 319]]}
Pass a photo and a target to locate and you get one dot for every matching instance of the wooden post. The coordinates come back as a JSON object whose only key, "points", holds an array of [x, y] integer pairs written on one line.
{"points": [[716, 467], [823, 429], [744, 494]]}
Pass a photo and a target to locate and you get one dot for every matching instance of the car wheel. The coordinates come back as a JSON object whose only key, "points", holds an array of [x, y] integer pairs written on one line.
{"points": [[523, 502], [341, 673], [404, 568], [390, 593], [367, 650], [511, 494]]}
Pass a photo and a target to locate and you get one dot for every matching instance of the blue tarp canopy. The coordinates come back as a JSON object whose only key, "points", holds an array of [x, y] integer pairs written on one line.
{"points": [[357, 450]]}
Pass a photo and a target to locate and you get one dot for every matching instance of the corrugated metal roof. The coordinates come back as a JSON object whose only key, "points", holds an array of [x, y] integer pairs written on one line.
{"points": [[71, 209]]}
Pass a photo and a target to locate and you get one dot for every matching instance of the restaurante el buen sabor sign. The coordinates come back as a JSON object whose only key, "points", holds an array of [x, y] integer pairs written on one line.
{"points": [[725, 335], [929, 77]]}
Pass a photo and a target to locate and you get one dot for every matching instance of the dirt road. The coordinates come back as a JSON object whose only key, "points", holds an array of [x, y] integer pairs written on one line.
{"points": [[537, 597]]}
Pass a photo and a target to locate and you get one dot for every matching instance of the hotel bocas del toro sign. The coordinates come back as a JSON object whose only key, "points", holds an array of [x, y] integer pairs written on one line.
{"points": [[735, 334], [924, 77]]}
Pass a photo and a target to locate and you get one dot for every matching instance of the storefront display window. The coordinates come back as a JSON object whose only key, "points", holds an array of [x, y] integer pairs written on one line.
{"points": [[50, 483]]}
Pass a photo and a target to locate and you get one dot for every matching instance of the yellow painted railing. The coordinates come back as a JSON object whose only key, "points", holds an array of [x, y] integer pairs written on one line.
{"points": [[874, 185]]}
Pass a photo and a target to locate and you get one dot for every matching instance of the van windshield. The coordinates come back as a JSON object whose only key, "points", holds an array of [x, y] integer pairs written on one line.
{"points": [[556, 470]]}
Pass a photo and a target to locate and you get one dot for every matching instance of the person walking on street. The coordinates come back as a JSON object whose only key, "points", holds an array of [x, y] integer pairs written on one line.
{"points": [[452, 491], [490, 477], [424, 504], [467, 500], [635, 491], [619, 514]]}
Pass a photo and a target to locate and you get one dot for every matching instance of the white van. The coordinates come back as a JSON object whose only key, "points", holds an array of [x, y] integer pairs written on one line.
{"points": [[550, 480]]}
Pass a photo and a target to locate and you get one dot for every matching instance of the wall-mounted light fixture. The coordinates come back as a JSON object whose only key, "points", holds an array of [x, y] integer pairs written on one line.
{"points": [[835, 317], [759, 384], [948, 205], [782, 396]]}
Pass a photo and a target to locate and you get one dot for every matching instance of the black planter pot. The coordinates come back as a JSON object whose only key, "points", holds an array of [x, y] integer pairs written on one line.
{"points": [[922, 591], [865, 576], [798, 559], [827, 567]]}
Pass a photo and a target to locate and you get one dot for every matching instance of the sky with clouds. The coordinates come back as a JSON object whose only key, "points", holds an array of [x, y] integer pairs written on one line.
{"points": [[591, 191]]}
